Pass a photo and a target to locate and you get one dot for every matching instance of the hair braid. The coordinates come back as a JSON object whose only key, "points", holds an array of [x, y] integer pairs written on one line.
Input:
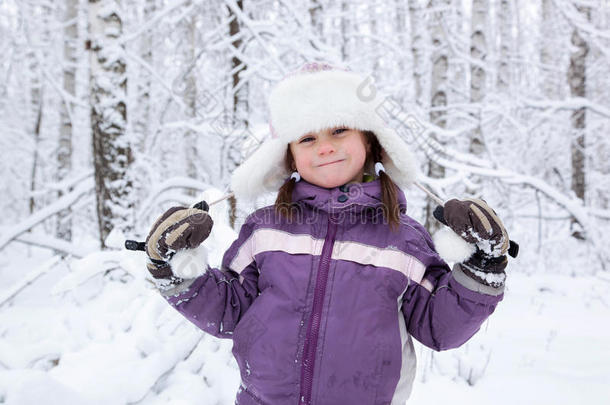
{"points": [[283, 201], [390, 207]]}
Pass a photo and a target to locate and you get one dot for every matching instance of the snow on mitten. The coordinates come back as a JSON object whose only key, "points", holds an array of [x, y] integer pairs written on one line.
{"points": [[486, 269], [475, 222], [177, 229]]}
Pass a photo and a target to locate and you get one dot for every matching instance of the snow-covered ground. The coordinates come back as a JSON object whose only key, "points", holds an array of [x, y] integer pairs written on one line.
{"points": [[547, 343], [94, 331]]}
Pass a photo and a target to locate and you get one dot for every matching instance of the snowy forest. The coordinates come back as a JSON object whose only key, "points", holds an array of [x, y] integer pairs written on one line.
{"points": [[113, 111]]}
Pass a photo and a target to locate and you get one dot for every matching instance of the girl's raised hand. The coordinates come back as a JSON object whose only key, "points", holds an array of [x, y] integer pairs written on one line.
{"points": [[475, 222], [178, 228]]}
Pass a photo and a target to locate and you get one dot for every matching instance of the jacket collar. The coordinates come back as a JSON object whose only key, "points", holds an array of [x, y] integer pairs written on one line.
{"points": [[353, 197]]}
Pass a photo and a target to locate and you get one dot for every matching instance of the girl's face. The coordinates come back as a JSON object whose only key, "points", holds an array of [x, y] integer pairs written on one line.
{"points": [[331, 157]]}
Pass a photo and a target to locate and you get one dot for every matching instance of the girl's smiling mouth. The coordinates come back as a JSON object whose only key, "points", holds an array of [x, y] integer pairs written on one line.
{"points": [[330, 163]]}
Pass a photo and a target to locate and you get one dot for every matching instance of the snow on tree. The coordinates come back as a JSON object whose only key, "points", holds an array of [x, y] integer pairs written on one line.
{"points": [[111, 146], [113, 111]]}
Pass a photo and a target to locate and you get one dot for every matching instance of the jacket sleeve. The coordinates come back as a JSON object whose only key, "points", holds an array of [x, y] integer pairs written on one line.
{"points": [[216, 300], [446, 308]]}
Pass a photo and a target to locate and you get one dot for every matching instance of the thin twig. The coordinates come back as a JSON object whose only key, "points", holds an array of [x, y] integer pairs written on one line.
{"points": [[430, 193]]}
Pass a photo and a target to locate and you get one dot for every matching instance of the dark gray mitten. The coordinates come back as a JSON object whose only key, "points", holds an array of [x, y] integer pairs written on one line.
{"points": [[475, 222], [178, 228], [486, 269]]}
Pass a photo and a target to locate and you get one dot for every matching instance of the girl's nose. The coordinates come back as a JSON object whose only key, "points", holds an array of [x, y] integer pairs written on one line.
{"points": [[325, 147]]}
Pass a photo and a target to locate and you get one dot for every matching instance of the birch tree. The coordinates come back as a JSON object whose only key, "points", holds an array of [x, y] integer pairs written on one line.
{"points": [[577, 80], [439, 10], [64, 153], [144, 87], [548, 50], [401, 32], [191, 147], [107, 91], [315, 16], [417, 48], [345, 29], [505, 22], [239, 92], [458, 66], [36, 92], [598, 89], [373, 17], [478, 53]]}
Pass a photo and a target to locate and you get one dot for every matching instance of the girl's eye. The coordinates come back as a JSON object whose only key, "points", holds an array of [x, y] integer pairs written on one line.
{"points": [[339, 130], [307, 139]]}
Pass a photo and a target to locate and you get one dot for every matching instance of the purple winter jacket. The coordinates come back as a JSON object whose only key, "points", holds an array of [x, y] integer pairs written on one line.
{"points": [[321, 309]]}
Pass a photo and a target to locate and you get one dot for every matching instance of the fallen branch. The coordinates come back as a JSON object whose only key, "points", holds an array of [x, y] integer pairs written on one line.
{"points": [[62, 203], [87, 268], [19, 286], [50, 242]]}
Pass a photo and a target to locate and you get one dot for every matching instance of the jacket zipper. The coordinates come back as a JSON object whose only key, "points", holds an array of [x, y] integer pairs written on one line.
{"points": [[313, 328]]}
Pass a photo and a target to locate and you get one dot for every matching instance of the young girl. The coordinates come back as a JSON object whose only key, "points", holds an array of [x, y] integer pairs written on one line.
{"points": [[322, 292]]}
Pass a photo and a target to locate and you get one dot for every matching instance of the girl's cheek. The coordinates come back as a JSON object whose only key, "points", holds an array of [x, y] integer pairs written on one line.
{"points": [[300, 160]]}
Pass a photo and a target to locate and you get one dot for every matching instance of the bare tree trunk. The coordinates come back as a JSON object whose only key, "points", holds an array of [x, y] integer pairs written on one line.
{"points": [[240, 110], [548, 52], [417, 48], [401, 32], [478, 53], [111, 147], [373, 16], [438, 90], [345, 20], [36, 133], [64, 153], [315, 14], [191, 149], [142, 116], [598, 191], [505, 19], [518, 67], [36, 104], [577, 79], [458, 66]]}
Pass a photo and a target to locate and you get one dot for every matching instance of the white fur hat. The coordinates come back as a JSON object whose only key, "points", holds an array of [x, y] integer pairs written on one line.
{"points": [[316, 97]]}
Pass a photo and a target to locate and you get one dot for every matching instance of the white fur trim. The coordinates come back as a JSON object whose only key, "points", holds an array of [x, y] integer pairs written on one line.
{"points": [[399, 162], [313, 101], [190, 263], [451, 247], [264, 171]]}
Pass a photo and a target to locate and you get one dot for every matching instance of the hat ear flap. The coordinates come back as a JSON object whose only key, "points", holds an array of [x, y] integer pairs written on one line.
{"points": [[263, 171]]}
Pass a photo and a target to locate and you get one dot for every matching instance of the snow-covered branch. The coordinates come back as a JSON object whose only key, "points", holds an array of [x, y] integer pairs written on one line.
{"points": [[65, 185], [61, 204], [153, 22], [49, 242], [153, 200], [29, 278], [247, 22], [469, 164], [591, 33], [572, 103]]}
